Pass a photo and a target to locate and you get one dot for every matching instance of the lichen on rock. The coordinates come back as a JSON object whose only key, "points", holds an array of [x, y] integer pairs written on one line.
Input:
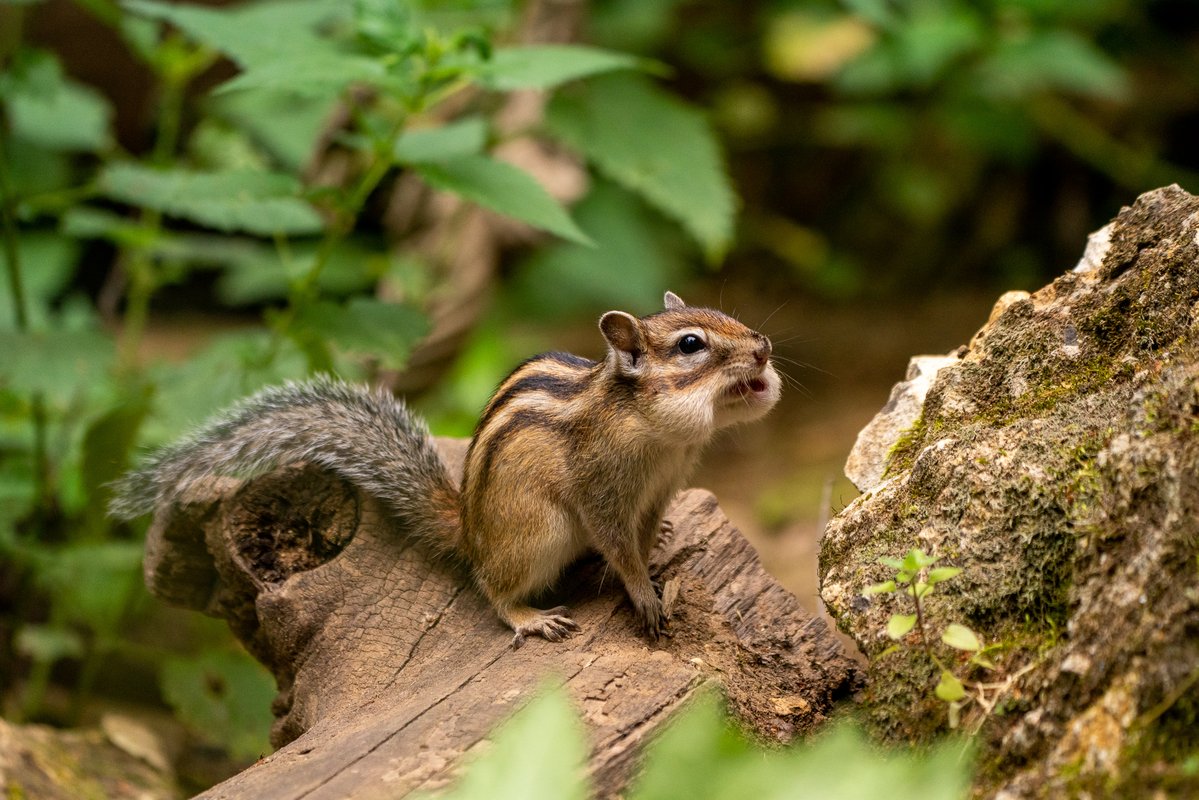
{"points": [[1056, 461]]}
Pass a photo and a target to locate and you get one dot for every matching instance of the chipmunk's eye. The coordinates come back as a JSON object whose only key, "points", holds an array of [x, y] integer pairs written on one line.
{"points": [[691, 344]]}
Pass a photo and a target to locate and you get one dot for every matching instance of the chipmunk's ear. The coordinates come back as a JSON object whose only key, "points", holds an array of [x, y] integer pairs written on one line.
{"points": [[625, 339], [674, 302]]}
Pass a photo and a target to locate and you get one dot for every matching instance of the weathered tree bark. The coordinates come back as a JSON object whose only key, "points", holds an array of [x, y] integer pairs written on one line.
{"points": [[390, 668]]}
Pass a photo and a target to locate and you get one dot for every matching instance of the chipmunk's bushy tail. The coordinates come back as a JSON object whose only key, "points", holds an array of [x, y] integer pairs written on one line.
{"points": [[367, 437]]}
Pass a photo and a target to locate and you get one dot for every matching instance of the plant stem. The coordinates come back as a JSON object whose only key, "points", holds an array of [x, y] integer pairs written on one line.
{"points": [[920, 624], [103, 10], [12, 246], [170, 118], [344, 224], [143, 280], [34, 692], [43, 490], [305, 289], [140, 267]]}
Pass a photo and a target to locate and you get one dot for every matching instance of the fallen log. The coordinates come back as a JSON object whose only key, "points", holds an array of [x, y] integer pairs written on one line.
{"points": [[390, 668]]}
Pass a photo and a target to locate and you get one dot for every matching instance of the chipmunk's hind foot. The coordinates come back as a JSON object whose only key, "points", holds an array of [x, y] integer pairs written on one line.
{"points": [[554, 624]]}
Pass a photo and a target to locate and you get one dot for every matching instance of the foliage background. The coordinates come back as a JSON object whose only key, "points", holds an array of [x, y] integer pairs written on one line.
{"points": [[864, 175]]}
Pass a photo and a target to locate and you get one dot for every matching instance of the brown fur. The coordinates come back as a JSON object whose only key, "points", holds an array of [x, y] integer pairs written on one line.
{"points": [[572, 455]]}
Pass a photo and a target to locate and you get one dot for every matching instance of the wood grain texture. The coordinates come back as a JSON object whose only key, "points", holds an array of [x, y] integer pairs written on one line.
{"points": [[391, 668]]}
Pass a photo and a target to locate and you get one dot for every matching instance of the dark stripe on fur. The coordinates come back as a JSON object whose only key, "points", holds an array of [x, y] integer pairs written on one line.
{"points": [[569, 359], [561, 387], [695, 376], [519, 420]]}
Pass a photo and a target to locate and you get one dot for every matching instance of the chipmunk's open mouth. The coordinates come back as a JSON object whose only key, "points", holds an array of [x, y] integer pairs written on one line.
{"points": [[750, 389]]}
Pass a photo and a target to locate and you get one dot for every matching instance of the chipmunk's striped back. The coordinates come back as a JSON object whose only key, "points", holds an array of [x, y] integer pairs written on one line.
{"points": [[548, 396]]}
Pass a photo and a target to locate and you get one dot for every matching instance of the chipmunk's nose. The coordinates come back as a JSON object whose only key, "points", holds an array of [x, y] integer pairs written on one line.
{"points": [[762, 351]]}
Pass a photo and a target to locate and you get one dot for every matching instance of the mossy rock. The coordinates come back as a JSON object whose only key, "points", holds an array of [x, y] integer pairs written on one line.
{"points": [[1057, 463]]}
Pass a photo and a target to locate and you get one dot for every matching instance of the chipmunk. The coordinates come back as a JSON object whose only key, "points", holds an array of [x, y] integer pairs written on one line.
{"points": [[569, 455]]}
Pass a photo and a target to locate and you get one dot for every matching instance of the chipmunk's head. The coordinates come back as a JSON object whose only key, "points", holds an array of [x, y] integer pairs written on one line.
{"points": [[696, 369]]}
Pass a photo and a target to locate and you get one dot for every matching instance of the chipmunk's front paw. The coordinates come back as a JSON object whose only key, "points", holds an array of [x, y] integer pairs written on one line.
{"points": [[652, 616], [554, 625]]}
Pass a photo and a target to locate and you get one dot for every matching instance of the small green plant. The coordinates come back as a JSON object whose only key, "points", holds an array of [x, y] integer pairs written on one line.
{"points": [[916, 576]]}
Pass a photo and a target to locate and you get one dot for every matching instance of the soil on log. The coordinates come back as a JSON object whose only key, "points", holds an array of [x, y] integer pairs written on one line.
{"points": [[390, 668]]}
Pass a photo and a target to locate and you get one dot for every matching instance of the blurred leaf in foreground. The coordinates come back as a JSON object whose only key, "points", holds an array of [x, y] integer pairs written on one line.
{"points": [[538, 753], [702, 757], [503, 188], [224, 695], [263, 203]]}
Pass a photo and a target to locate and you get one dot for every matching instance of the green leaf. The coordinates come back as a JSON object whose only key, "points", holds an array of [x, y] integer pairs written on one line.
{"points": [[141, 35], [895, 648], [316, 74], [464, 137], [91, 584], [933, 39], [538, 753], [56, 113], [1058, 60], [366, 326], [226, 370], [505, 189], [106, 448], [982, 661], [877, 12], [47, 263], [263, 203], [549, 65], [657, 147], [893, 563], [34, 170], [949, 688], [916, 560], [294, 56], [681, 761], [634, 24], [700, 755], [56, 363], [939, 574], [89, 222], [886, 587], [251, 33], [224, 696], [48, 643], [387, 24], [627, 268], [961, 637], [254, 272], [900, 625], [283, 124]]}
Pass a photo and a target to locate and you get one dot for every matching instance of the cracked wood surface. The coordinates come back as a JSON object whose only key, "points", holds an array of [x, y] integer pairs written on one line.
{"points": [[390, 668]]}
